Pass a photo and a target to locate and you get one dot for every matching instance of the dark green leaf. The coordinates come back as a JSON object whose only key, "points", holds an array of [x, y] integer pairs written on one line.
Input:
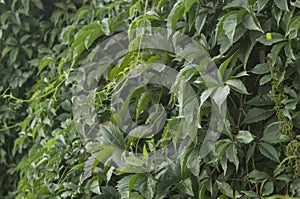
{"points": [[225, 188], [261, 69], [257, 114], [276, 37], [269, 151], [237, 3]]}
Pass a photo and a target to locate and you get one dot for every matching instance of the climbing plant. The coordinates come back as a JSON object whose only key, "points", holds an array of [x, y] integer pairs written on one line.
{"points": [[254, 46]]}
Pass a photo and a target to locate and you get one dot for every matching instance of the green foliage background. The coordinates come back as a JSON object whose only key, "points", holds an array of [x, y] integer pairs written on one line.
{"points": [[255, 44]]}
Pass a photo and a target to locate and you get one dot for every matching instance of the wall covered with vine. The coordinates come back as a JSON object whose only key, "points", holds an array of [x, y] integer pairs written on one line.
{"points": [[255, 46]]}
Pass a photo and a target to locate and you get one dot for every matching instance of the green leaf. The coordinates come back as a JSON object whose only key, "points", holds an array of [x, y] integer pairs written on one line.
{"points": [[265, 79], [104, 153], [244, 137], [24, 38], [269, 151], [186, 187], [13, 54], [199, 22], [225, 188], [50, 143], [260, 4], [44, 62], [220, 95], [143, 101], [12, 41], [276, 38], [261, 69], [237, 85], [282, 4], [38, 3], [251, 24], [225, 64], [229, 26], [272, 133], [250, 194], [257, 175], [145, 152], [175, 14], [105, 26], [248, 46], [6, 50], [85, 37], [131, 159], [264, 100], [66, 105], [205, 95], [231, 154], [237, 4], [95, 187], [257, 115], [193, 162], [82, 12], [268, 188], [188, 4]]}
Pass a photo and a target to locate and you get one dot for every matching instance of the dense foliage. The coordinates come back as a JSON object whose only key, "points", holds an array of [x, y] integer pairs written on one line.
{"points": [[254, 43]]}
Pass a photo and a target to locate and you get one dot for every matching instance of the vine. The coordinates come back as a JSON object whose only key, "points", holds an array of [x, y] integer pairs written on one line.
{"points": [[286, 124]]}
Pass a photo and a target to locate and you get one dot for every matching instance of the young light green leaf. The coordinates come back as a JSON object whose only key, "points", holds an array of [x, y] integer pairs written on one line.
{"points": [[188, 4], [244, 137], [145, 152]]}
